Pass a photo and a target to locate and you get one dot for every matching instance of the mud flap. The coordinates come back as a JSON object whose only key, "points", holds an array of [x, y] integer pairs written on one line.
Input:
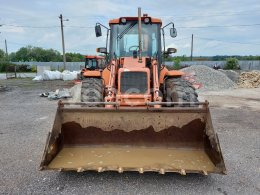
{"points": [[180, 139]]}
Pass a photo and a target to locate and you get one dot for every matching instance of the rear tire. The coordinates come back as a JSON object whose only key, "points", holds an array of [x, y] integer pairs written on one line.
{"points": [[180, 90], [92, 90]]}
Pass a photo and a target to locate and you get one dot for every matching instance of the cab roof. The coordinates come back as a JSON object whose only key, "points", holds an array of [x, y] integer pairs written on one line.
{"points": [[153, 20]]}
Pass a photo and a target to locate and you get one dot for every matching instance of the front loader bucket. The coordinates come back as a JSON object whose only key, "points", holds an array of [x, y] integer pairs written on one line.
{"points": [[175, 139]]}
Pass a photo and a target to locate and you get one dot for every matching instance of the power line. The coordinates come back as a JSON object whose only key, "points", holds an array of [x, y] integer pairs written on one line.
{"points": [[214, 14], [220, 26], [13, 43], [225, 13], [235, 42], [209, 26], [196, 14], [80, 26], [25, 26], [213, 26], [92, 17]]}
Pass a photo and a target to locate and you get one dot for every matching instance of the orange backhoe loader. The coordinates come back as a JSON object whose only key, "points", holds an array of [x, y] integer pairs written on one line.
{"points": [[136, 115], [93, 66]]}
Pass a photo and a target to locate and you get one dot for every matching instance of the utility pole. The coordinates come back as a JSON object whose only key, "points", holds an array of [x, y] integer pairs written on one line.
{"points": [[6, 51], [62, 37], [191, 55]]}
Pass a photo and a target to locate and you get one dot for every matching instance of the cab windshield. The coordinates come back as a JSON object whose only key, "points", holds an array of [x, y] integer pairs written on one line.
{"points": [[91, 64], [124, 39]]}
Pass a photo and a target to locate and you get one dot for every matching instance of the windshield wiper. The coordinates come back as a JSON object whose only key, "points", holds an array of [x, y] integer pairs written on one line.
{"points": [[126, 30]]}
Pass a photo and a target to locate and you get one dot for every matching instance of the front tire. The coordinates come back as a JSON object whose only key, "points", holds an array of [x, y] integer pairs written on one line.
{"points": [[92, 90], [180, 90]]}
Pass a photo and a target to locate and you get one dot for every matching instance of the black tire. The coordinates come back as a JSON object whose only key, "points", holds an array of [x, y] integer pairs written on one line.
{"points": [[92, 90], [180, 90]]}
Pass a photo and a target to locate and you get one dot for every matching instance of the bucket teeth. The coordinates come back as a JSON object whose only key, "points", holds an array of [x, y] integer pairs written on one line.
{"points": [[80, 169], [100, 169], [120, 170], [182, 172], [141, 170], [162, 171], [205, 172]]}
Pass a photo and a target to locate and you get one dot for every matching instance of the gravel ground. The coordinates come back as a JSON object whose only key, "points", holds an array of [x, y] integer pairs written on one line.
{"points": [[209, 78], [26, 118]]}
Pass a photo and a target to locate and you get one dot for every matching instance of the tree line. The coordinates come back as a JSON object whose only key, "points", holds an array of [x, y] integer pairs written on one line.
{"points": [[38, 54]]}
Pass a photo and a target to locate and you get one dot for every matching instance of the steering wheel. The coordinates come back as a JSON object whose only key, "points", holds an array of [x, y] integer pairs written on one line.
{"points": [[130, 48]]}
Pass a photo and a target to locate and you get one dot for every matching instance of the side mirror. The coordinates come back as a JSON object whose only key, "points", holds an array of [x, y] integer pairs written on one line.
{"points": [[102, 50], [173, 32], [98, 31], [171, 50]]}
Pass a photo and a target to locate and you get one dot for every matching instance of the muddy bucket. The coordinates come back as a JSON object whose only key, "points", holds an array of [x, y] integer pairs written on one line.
{"points": [[175, 139]]}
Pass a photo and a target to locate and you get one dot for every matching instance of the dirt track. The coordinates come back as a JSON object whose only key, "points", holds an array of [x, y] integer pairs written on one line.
{"points": [[25, 119]]}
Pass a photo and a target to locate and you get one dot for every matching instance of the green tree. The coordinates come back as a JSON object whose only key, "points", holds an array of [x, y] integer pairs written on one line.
{"points": [[39, 54], [177, 63], [74, 57], [231, 63], [23, 54], [12, 57]]}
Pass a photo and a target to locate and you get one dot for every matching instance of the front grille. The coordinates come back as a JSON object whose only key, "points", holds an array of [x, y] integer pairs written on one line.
{"points": [[133, 82]]}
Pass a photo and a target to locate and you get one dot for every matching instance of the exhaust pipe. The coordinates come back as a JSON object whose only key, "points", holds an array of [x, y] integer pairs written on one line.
{"points": [[140, 34]]}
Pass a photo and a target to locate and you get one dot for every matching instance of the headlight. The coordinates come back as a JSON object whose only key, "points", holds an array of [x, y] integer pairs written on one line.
{"points": [[146, 20], [123, 20]]}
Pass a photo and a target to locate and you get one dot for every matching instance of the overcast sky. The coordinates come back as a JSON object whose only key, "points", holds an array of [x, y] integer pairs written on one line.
{"points": [[219, 27]]}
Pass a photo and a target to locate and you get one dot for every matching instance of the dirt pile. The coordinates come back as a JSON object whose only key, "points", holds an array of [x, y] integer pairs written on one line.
{"points": [[249, 79], [210, 79]]}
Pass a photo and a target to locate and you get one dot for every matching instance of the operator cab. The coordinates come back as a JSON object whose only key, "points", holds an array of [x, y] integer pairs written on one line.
{"points": [[124, 37]]}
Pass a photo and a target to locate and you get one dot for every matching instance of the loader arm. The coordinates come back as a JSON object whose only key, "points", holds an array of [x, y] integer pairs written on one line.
{"points": [[111, 85], [156, 85]]}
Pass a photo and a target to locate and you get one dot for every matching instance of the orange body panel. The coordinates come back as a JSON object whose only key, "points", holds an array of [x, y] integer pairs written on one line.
{"points": [[93, 73], [130, 62], [106, 76], [170, 73], [133, 99]]}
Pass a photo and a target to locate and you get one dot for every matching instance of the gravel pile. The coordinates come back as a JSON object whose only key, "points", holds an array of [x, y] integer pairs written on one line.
{"points": [[209, 78], [233, 75], [249, 79]]}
